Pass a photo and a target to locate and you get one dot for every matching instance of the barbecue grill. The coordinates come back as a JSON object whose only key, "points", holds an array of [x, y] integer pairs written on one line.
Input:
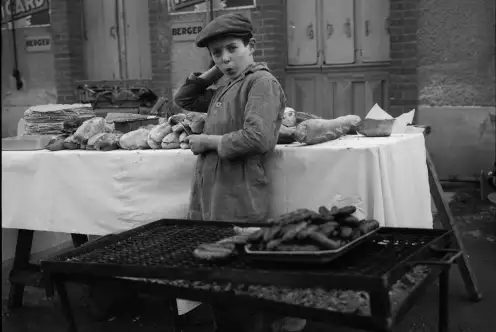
{"points": [[158, 258]]}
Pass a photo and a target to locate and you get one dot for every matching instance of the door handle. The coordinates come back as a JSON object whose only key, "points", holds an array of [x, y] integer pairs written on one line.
{"points": [[291, 30], [310, 33], [367, 28], [330, 30], [113, 32], [347, 28], [387, 25]]}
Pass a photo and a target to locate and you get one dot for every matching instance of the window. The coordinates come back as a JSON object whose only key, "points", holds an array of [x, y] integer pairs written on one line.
{"points": [[337, 32]]}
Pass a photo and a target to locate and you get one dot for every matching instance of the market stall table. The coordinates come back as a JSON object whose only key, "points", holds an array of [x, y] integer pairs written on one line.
{"points": [[93, 192], [98, 193]]}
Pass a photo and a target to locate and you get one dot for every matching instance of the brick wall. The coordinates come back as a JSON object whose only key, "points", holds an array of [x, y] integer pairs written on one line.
{"points": [[67, 47], [403, 86], [160, 37], [68, 50], [268, 20]]}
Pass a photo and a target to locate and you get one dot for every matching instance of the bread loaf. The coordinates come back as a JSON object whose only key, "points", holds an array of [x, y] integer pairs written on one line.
{"points": [[315, 131], [289, 117], [136, 139], [108, 142], [171, 141], [90, 128], [157, 134], [286, 135]]}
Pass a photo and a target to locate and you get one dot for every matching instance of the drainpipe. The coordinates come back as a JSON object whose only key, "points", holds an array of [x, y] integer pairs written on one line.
{"points": [[211, 10], [15, 73]]}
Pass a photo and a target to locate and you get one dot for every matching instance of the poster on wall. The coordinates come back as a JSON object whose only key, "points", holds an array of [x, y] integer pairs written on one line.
{"points": [[25, 13], [188, 6]]}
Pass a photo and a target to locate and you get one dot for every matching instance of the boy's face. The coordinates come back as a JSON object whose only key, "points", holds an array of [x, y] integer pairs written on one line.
{"points": [[231, 55]]}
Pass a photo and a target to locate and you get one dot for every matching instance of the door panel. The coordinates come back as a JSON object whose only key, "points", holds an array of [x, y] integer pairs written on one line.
{"points": [[338, 31], [374, 36], [302, 32], [101, 42], [304, 93], [346, 93], [137, 39], [344, 97]]}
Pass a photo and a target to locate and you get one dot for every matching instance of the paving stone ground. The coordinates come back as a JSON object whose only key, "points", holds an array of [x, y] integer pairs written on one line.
{"points": [[476, 220]]}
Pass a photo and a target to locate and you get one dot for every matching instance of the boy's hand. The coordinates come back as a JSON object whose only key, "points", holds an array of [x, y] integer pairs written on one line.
{"points": [[202, 143], [212, 75]]}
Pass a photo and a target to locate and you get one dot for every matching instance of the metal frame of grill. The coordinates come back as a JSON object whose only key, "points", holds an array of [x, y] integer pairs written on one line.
{"points": [[163, 250]]}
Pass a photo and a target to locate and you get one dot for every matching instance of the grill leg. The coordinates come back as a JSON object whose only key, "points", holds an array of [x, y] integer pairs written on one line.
{"points": [[448, 221], [443, 301], [21, 260], [174, 320], [65, 303]]}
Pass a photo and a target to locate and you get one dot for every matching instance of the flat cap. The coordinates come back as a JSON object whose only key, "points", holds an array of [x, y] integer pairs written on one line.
{"points": [[233, 24]]}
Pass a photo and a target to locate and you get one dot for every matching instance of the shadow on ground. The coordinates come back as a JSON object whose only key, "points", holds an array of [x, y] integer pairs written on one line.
{"points": [[475, 219]]}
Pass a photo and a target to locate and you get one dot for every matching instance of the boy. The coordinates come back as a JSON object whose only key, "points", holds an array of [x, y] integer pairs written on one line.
{"points": [[242, 126]]}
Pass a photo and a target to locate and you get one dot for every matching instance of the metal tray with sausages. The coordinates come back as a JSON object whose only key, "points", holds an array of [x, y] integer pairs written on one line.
{"points": [[304, 257], [305, 236]]}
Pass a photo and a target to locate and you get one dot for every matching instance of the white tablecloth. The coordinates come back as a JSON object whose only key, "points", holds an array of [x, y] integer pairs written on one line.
{"points": [[92, 192]]}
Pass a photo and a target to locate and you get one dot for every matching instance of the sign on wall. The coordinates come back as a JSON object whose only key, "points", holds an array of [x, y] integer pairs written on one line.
{"points": [[26, 13], [38, 43], [186, 6], [180, 4], [183, 31]]}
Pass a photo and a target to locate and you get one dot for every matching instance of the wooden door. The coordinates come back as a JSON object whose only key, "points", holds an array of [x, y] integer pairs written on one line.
{"points": [[116, 40], [302, 32], [137, 40], [373, 20], [101, 42], [338, 31], [305, 93], [353, 94]]}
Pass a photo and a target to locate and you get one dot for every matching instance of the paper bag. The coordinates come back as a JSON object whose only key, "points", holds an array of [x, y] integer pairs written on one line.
{"points": [[401, 123]]}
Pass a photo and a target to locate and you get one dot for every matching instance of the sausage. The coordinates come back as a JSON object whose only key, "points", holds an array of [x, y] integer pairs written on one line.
{"points": [[325, 242], [350, 221], [346, 232], [367, 226], [271, 245], [292, 217], [328, 228], [305, 232], [346, 211], [290, 232], [355, 234], [271, 233], [214, 251], [323, 210], [256, 236]]}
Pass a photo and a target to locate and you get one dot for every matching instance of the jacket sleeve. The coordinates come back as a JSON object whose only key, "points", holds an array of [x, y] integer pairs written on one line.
{"points": [[263, 116], [193, 95]]}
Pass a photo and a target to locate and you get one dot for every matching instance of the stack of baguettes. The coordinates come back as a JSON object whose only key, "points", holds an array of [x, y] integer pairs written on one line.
{"points": [[49, 119]]}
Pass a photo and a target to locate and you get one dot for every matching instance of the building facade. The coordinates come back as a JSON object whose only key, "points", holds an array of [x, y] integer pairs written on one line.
{"points": [[333, 57]]}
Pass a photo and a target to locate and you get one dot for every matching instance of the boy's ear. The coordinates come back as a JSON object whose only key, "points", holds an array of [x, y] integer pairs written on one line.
{"points": [[252, 45]]}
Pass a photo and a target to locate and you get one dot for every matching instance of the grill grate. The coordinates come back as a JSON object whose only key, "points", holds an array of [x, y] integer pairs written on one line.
{"points": [[172, 246]]}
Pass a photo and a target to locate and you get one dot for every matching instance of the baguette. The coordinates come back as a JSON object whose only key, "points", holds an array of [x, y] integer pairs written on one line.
{"points": [[315, 131]]}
